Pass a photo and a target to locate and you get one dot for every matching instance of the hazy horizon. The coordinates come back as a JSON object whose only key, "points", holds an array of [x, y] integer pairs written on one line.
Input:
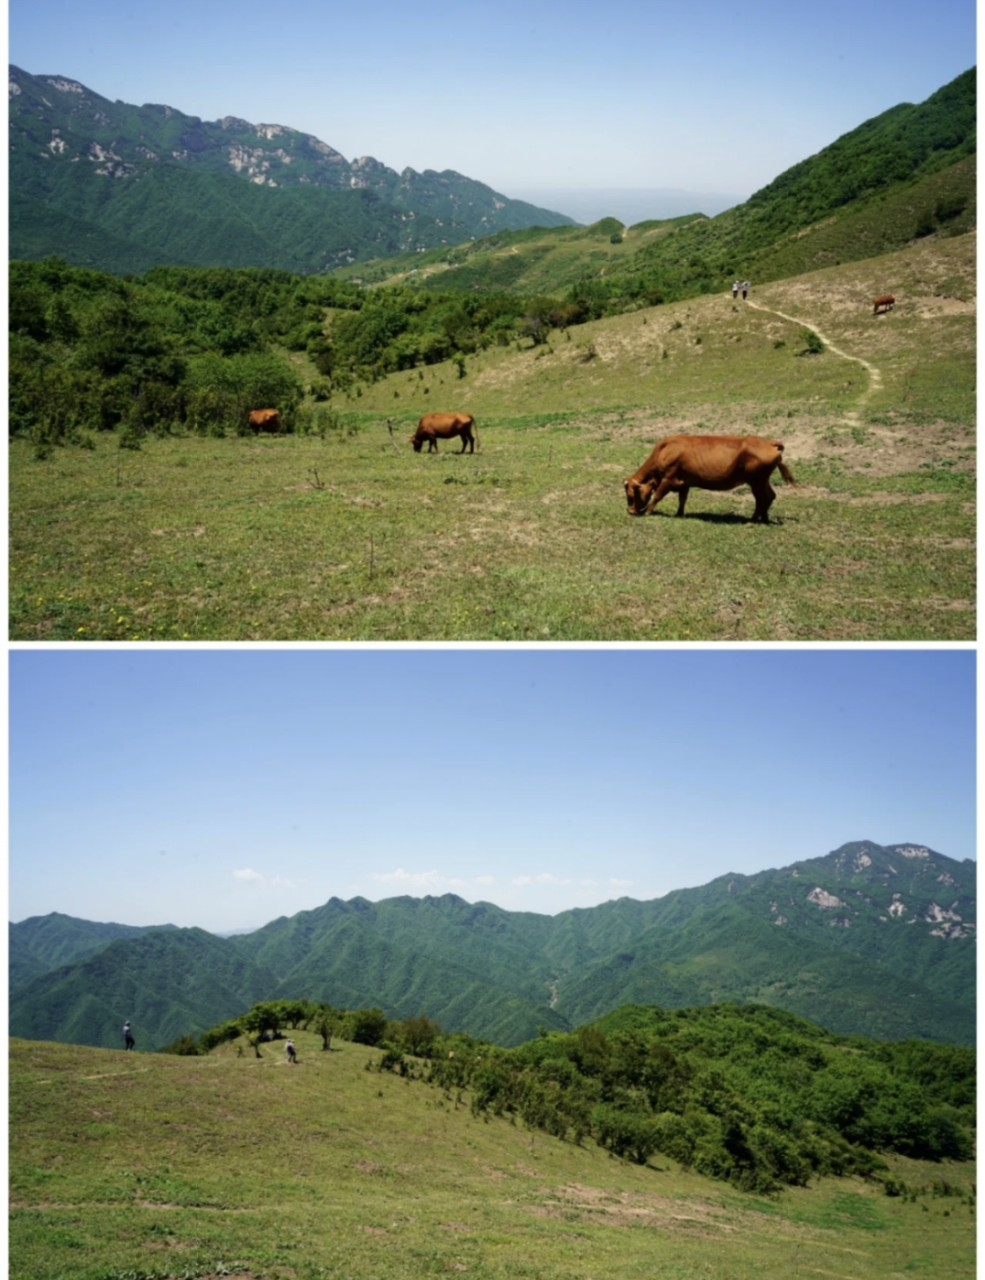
{"points": [[629, 204]]}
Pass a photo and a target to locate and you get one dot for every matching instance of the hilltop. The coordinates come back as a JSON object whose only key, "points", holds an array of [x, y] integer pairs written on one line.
{"points": [[867, 940], [156, 1165]]}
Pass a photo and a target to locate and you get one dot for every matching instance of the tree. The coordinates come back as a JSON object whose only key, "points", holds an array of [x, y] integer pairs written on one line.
{"points": [[368, 1026], [260, 1020], [419, 1034], [325, 1024]]}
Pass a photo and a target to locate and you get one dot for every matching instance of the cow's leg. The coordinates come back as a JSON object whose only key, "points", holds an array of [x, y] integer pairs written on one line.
{"points": [[764, 494], [661, 491], [432, 444], [682, 493]]}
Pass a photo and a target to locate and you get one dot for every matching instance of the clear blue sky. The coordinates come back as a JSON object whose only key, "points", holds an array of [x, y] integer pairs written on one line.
{"points": [[706, 95], [226, 788]]}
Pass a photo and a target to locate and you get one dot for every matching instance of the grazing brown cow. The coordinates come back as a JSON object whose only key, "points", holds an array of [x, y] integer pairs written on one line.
{"points": [[264, 420], [885, 302], [707, 462], [444, 426]]}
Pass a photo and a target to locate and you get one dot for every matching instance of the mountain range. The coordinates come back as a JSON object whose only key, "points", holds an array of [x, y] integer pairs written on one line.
{"points": [[871, 940], [124, 188]]}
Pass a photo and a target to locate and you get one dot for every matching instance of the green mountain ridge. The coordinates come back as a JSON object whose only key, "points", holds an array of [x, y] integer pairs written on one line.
{"points": [[872, 940], [123, 188]]}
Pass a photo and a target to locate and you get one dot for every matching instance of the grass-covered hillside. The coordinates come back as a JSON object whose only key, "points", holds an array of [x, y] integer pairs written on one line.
{"points": [[865, 940], [153, 1166], [610, 268], [334, 533], [905, 175]]}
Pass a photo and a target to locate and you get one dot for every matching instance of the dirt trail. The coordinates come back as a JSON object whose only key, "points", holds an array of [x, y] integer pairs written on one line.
{"points": [[875, 377]]}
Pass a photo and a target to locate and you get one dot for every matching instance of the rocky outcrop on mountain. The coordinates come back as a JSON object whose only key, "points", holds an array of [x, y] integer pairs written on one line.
{"points": [[60, 131]]}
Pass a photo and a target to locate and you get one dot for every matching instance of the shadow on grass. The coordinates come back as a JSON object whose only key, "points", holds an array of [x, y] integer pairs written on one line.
{"points": [[710, 517], [717, 517]]}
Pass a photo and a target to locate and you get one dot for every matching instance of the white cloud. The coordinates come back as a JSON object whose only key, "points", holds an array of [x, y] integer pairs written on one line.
{"points": [[429, 881], [247, 873], [422, 880], [620, 884], [589, 884], [545, 877]]}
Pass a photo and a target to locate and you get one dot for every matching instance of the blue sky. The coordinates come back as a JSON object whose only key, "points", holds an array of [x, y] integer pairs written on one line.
{"points": [[225, 788], [721, 95]]}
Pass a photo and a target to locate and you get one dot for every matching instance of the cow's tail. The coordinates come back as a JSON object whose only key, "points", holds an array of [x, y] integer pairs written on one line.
{"points": [[783, 468], [475, 433]]}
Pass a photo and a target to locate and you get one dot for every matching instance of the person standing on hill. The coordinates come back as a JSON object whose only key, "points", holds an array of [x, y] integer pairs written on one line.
{"points": [[292, 1053], [128, 1040], [745, 289], [735, 289]]}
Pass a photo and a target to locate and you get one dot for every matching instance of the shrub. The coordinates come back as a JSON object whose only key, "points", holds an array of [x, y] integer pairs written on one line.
{"points": [[367, 1026], [184, 1045]]}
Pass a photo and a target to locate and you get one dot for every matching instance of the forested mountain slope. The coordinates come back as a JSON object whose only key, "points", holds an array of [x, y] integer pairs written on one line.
{"points": [[868, 940], [43, 943], [123, 188]]}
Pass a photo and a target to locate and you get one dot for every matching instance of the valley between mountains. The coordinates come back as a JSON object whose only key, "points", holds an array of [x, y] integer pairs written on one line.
{"points": [[870, 940]]}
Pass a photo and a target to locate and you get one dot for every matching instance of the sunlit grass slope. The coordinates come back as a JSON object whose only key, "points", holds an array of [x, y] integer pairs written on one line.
{"points": [[346, 537], [139, 1167]]}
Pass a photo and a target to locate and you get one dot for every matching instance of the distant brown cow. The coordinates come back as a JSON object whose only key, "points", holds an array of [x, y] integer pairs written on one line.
{"points": [[885, 302], [707, 462], [264, 420], [444, 426]]}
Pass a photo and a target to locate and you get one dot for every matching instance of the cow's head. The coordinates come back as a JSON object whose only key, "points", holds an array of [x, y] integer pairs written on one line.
{"points": [[416, 441], [638, 495]]}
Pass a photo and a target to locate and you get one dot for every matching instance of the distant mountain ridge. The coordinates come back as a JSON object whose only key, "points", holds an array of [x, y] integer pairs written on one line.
{"points": [[241, 194], [872, 940]]}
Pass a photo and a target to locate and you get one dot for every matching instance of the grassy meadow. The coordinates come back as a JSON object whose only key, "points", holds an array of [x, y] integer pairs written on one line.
{"points": [[142, 1166], [340, 536]]}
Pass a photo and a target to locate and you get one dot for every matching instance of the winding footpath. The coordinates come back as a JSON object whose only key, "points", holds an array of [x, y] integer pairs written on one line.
{"points": [[875, 377]]}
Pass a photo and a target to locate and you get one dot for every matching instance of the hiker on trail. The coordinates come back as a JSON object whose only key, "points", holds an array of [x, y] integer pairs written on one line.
{"points": [[128, 1040], [735, 290], [292, 1053], [745, 289]]}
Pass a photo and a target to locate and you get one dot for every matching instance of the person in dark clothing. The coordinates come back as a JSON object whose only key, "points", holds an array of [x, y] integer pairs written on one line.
{"points": [[292, 1053], [128, 1040]]}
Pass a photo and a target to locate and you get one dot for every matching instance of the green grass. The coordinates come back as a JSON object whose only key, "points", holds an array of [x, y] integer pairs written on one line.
{"points": [[344, 538], [144, 1166], [527, 540]]}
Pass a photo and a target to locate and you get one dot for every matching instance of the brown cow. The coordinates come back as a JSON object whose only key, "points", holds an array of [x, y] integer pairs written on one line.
{"points": [[885, 302], [264, 420], [444, 426], [707, 462]]}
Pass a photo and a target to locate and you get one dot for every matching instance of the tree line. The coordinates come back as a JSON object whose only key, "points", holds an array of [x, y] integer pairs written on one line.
{"points": [[192, 350], [743, 1093]]}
